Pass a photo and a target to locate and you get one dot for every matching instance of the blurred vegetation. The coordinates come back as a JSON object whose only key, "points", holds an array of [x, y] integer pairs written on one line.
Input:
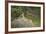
{"points": [[29, 12], [36, 16]]}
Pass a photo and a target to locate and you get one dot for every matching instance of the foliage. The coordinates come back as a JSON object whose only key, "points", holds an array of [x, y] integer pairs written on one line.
{"points": [[29, 12]]}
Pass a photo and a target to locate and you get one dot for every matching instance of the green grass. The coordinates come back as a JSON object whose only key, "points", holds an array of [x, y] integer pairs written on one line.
{"points": [[36, 21]]}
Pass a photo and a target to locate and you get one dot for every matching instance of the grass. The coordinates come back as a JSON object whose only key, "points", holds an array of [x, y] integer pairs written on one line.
{"points": [[36, 21]]}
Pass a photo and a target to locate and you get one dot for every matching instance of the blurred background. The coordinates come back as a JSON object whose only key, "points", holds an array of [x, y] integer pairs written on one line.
{"points": [[25, 16]]}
